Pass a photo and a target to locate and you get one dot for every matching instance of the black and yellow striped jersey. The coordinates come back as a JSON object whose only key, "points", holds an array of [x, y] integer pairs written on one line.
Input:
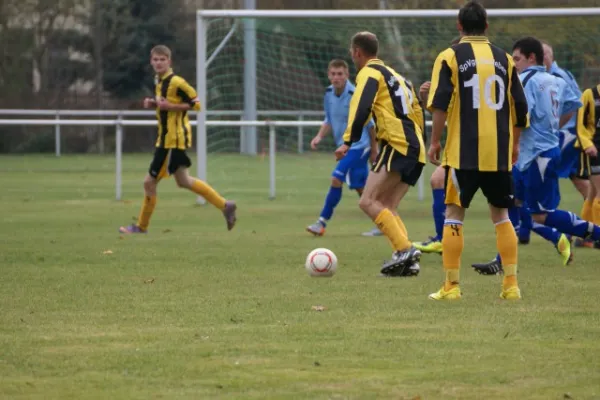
{"points": [[477, 84], [588, 119], [174, 130], [391, 100]]}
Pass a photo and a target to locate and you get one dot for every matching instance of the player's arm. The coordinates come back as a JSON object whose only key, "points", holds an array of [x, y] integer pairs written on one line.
{"points": [[361, 104], [188, 96], [585, 121], [325, 128], [521, 104], [419, 114], [439, 99]]}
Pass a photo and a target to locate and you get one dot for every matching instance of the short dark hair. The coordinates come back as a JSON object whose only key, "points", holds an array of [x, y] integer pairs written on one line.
{"points": [[367, 42], [337, 63], [530, 45], [473, 18]]}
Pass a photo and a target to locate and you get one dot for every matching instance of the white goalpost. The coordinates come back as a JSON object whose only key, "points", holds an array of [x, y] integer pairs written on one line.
{"points": [[235, 46]]}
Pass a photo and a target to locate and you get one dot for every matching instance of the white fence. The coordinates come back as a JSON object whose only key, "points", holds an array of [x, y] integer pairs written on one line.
{"points": [[60, 115], [119, 123]]}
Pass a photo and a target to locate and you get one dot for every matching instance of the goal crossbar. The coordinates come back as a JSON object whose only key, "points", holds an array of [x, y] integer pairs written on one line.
{"points": [[425, 13]]}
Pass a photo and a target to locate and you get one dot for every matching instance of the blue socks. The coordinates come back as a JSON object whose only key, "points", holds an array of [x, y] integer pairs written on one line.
{"points": [[331, 201], [515, 218], [524, 231], [571, 224], [550, 234], [439, 211]]}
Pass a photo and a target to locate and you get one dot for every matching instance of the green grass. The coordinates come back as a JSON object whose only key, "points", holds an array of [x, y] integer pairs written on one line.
{"points": [[193, 311]]}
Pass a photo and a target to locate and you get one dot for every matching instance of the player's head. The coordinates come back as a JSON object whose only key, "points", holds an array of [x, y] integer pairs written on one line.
{"points": [[337, 72], [160, 58], [363, 47], [528, 51], [548, 55], [472, 19]]}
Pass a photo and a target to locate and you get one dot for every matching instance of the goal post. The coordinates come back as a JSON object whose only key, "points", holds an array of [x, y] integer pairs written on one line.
{"points": [[292, 49]]}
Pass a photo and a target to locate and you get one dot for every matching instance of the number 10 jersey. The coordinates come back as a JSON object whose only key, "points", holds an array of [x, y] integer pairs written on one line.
{"points": [[477, 84]]}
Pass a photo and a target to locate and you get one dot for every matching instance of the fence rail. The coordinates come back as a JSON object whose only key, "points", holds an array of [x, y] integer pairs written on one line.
{"points": [[120, 123], [59, 115]]}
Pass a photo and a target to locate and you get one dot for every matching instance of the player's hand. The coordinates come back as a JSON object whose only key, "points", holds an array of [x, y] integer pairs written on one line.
{"points": [[341, 151], [149, 102], [592, 151], [373, 155], [163, 104], [315, 142], [424, 91], [515, 154], [435, 149]]}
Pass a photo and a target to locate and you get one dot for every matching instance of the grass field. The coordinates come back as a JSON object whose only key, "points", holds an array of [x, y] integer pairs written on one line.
{"points": [[193, 311]]}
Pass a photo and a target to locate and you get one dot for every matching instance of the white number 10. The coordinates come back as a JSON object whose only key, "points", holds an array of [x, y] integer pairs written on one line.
{"points": [[406, 105], [487, 89]]}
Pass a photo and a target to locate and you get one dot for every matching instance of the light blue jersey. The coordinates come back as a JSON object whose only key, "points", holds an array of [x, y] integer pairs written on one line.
{"points": [[336, 115], [548, 97], [572, 86]]}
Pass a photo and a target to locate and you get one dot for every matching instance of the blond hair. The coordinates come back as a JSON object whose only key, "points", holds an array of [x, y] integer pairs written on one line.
{"points": [[161, 50]]}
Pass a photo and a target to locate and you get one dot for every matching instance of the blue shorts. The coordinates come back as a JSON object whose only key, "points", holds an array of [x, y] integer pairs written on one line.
{"points": [[540, 183], [569, 154], [353, 168]]}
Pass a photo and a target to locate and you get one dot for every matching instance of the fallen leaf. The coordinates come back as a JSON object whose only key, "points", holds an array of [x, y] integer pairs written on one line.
{"points": [[567, 396], [167, 231], [121, 237], [127, 202], [506, 335], [317, 364], [416, 398], [319, 308], [107, 252], [149, 280]]}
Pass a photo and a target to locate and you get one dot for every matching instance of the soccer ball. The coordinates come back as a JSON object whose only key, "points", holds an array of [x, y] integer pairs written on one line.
{"points": [[321, 262]]}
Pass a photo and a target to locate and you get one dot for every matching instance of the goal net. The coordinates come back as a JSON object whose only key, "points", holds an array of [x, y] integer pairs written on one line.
{"points": [[292, 54]]}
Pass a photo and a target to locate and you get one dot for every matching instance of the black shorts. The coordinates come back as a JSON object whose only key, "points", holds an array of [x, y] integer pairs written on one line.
{"points": [[497, 187], [393, 161], [594, 165], [584, 167], [167, 161]]}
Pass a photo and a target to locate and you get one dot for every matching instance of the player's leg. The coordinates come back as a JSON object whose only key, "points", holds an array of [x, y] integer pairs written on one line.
{"points": [[595, 191], [158, 170], [392, 171], [434, 243], [334, 194], [544, 207], [460, 186], [179, 165], [581, 179]]}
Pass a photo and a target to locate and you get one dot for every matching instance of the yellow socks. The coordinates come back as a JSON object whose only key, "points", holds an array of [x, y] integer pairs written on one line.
{"points": [[210, 194], [506, 241], [452, 245], [146, 212], [587, 211], [596, 211], [388, 223], [402, 226]]}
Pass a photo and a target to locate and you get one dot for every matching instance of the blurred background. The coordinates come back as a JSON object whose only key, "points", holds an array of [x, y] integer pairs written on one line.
{"points": [[94, 55]]}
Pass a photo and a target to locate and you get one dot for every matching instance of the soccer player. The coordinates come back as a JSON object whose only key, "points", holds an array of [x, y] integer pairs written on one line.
{"points": [[547, 105], [571, 165], [174, 97], [588, 127], [438, 208], [392, 101], [353, 167], [475, 88]]}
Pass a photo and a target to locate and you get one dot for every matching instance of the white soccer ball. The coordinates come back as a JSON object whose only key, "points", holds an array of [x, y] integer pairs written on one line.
{"points": [[321, 262]]}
